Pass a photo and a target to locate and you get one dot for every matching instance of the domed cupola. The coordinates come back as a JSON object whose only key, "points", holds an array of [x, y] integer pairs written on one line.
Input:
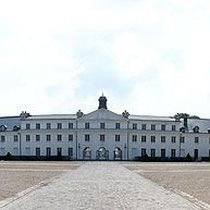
{"points": [[102, 102]]}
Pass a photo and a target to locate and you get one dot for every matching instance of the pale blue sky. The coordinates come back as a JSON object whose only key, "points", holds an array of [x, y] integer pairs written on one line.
{"points": [[147, 56]]}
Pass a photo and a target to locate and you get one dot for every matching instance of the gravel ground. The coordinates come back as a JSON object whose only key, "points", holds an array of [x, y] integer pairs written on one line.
{"points": [[18, 176], [100, 186], [190, 178]]}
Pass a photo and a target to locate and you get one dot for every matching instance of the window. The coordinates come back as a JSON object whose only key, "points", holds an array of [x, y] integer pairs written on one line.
{"points": [[71, 125], [37, 137], [163, 139], [70, 137], [196, 153], [134, 126], [182, 139], [15, 138], [48, 137], [102, 125], [143, 138], [173, 153], [163, 127], [59, 151], [173, 128], [134, 138], [87, 137], [38, 126], [196, 129], [59, 126], [59, 137], [37, 152], [2, 138], [163, 153], [117, 137], [70, 152], [152, 139], [87, 125], [28, 126], [152, 152], [117, 125], [173, 139], [196, 140], [143, 152], [153, 127], [144, 127], [48, 151], [48, 125], [28, 137], [102, 137]]}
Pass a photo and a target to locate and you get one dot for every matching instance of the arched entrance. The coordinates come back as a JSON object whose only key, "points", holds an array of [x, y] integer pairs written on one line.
{"points": [[87, 153], [102, 154], [117, 154]]}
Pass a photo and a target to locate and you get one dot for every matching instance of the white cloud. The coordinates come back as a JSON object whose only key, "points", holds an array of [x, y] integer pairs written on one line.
{"points": [[58, 56]]}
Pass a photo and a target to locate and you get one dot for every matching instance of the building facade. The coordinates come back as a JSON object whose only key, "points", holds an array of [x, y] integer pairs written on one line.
{"points": [[103, 135]]}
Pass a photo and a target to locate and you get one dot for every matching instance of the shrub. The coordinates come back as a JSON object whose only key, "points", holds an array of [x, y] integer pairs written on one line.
{"points": [[188, 158]]}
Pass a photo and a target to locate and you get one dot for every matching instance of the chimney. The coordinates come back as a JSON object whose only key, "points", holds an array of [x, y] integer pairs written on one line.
{"points": [[185, 122]]}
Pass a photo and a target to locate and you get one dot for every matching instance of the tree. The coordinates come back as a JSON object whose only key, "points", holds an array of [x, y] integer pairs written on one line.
{"points": [[179, 116]]}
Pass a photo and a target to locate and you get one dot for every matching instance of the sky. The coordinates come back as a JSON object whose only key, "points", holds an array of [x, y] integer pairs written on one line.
{"points": [[147, 56]]}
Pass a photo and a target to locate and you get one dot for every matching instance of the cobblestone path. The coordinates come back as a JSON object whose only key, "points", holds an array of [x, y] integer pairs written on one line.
{"points": [[100, 186]]}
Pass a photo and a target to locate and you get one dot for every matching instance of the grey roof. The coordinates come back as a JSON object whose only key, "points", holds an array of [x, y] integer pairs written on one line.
{"points": [[204, 125], [151, 118], [10, 122], [53, 117]]}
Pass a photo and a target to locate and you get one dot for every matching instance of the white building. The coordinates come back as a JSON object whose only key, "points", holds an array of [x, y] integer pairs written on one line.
{"points": [[104, 135]]}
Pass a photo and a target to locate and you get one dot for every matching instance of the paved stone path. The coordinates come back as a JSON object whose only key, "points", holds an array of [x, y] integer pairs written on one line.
{"points": [[100, 186]]}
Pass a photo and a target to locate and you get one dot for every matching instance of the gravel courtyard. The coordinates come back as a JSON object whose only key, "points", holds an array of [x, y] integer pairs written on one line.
{"points": [[190, 178], [103, 185], [18, 176]]}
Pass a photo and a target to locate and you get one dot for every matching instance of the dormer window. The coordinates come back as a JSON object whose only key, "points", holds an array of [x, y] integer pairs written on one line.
{"points": [[3, 128], [16, 128], [196, 129]]}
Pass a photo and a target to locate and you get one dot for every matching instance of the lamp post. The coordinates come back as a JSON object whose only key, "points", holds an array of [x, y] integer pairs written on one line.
{"points": [[79, 149], [125, 147], [180, 142]]}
